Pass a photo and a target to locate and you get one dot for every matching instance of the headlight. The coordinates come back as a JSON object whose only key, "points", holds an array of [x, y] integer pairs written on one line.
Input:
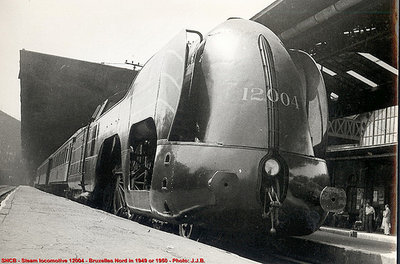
{"points": [[272, 167]]}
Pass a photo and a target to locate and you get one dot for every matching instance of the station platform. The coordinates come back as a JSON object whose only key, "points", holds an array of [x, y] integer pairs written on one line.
{"points": [[37, 227], [331, 245], [360, 234]]}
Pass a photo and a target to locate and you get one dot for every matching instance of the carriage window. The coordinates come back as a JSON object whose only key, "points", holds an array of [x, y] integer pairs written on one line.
{"points": [[93, 140]]}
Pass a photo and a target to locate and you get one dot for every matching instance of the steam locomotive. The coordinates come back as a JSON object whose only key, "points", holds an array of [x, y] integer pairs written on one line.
{"points": [[226, 132]]}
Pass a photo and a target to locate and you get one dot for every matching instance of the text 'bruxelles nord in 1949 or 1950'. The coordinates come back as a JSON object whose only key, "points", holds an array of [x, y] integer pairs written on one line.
{"points": [[103, 260]]}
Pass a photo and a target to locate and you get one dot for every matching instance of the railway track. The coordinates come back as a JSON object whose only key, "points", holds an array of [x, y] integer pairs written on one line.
{"points": [[260, 250], [5, 190]]}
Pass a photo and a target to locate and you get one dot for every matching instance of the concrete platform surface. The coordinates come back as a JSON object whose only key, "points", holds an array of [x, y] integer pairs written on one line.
{"points": [[37, 226], [329, 247], [360, 234]]}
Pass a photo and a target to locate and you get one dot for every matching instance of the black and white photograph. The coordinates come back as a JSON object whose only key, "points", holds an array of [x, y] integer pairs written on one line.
{"points": [[198, 131]]}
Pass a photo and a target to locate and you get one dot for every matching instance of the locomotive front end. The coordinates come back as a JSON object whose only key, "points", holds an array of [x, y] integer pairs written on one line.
{"points": [[245, 153]]}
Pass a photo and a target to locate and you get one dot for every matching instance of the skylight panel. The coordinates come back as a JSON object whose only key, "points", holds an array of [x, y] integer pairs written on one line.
{"points": [[326, 70], [362, 78], [380, 63]]}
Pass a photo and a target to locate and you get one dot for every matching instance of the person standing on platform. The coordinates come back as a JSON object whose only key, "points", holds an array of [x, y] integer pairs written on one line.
{"points": [[386, 220], [370, 215], [361, 217]]}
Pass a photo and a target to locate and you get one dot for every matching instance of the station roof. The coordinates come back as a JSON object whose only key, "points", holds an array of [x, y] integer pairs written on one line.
{"points": [[354, 43]]}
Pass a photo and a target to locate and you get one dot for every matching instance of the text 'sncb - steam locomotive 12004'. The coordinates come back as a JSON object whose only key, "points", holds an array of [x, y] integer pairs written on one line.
{"points": [[227, 132]]}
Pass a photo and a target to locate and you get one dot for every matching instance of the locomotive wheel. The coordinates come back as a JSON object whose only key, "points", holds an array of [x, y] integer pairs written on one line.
{"points": [[185, 230], [189, 231], [114, 197], [119, 203]]}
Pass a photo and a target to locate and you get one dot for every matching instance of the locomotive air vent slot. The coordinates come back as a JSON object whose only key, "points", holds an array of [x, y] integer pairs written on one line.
{"points": [[167, 159], [164, 184]]}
